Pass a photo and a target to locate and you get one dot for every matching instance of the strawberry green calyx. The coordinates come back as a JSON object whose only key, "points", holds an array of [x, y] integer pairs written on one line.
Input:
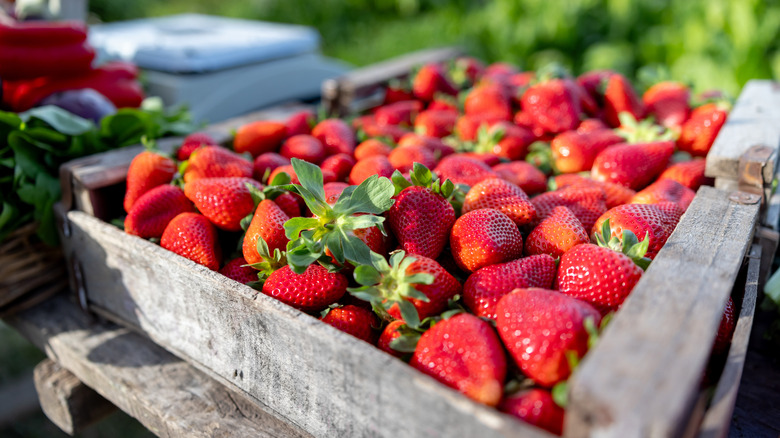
{"points": [[421, 176], [540, 156], [270, 263], [628, 245], [385, 284], [488, 138], [644, 131], [331, 226]]}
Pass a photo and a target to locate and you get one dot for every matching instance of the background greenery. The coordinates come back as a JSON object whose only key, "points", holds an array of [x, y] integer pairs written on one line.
{"points": [[713, 43]]}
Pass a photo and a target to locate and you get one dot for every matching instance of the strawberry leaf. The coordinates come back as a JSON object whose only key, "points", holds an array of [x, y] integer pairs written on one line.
{"points": [[281, 179], [294, 226], [374, 195], [409, 313], [560, 393], [406, 343], [399, 181], [355, 250], [310, 177], [421, 175], [367, 275], [246, 221]]}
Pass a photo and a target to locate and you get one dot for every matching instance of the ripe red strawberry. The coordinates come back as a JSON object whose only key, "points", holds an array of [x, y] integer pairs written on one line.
{"points": [[304, 147], [389, 334], [665, 190], [370, 147], [488, 99], [192, 142], [463, 170], [192, 236], [439, 148], [300, 123], [484, 237], [267, 162], [259, 137], [594, 82], [312, 291], [503, 196], [524, 175], [398, 113], [668, 102], [575, 151], [403, 158], [699, 132], [556, 234], [372, 128], [373, 165], [236, 270], [147, 171], [152, 212], [268, 224], [435, 123], [725, 330], [587, 203], [621, 97], [540, 328], [551, 105], [589, 125], [599, 276], [340, 164], [616, 194], [224, 201], [216, 162], [485, 287], [468, 125], [333, 191], [535, 406], [464, 353], [443, 102], [430, 80], [421, 220], [336, 135], [632, 165], [485, 157], [524, 120], [688, 173], [643, 220], [505, 140], [288, 169], [397, 91], [356, 321]]}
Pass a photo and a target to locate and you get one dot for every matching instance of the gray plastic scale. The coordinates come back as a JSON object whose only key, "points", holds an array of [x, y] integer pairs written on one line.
{"points": [[220, 67]]}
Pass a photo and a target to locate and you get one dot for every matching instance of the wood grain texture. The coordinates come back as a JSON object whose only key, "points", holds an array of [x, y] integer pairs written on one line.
{"points": [[168, 396], [754, 120], [313, 375], [658, 343], [66, 401]]}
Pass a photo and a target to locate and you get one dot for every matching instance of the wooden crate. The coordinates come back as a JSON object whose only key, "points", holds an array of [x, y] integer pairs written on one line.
{"points": [[642, 379]]}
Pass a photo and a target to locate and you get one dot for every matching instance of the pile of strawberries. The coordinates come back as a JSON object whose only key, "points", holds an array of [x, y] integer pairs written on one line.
{"points": [[482, 224]]}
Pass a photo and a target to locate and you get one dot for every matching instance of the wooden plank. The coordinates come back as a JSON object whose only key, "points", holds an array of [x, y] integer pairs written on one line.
{"points": [[325, 381], [718, 417], [66, 401], [659, 342], [168, 396], [755, 120]]}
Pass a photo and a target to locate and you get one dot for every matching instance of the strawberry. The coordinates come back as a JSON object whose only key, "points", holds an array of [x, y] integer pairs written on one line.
{"points": [[589, 125], [443, 102], [340, 165], [575, 151], [464, 353], [699, 131], [501, 195], [372, 128], [192, 142], [224, 201], [540, 328], [353, 320], [259, 137], [192, 236], [524, 175], [216, 162], [288, 169], [389, 334], [484, 237], [439, 148], [665, 190], [463, 170], [430, 80], [336, 135], [304, 147], [645, 221], [403, 158], [556, 234], [668, 102], [485, 157], [619, 97], [267, 162], [373, 165], [333, 191], [398, 113], [486, 286], [152, 212], [505, 140], [310, 291], [587, 203], [290, 203], [435, 123], [398, 91], [147, 171], [616, 194], [725, 330], [594, 82], [552, 106], [525, 120], [370, 147], [410, 287], [688, 173], [421, 217], [467, 70], [468, 125], [632, 165], [488, 99], [300, 123], [267, 224], [237, 270], [535, 406]]}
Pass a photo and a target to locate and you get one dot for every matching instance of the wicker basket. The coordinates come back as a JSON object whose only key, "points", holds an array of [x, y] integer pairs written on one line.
{"points": [[28, 265]]}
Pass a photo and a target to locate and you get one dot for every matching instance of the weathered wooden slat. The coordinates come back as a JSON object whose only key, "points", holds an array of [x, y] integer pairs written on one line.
{"points": [[716, 421], [317, 377], [66, 401], [658, 343], [168, 396], [755, 120]]}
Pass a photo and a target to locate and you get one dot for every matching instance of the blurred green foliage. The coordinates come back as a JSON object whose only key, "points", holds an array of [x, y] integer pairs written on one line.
{"points": [[713, 43]]}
